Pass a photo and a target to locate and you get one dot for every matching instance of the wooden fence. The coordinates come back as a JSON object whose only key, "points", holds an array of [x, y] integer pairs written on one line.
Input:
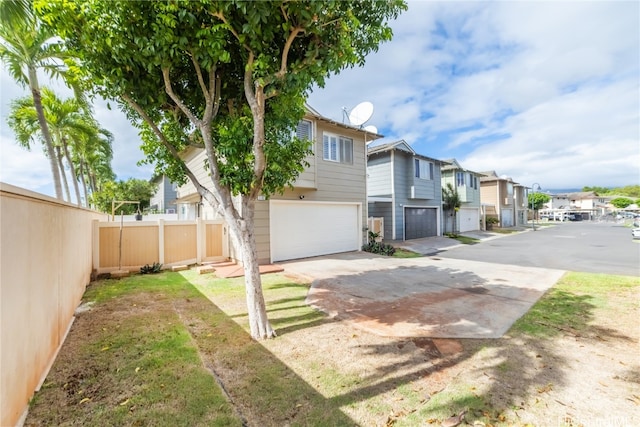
{"points": [[376, 225], [167, 242]]}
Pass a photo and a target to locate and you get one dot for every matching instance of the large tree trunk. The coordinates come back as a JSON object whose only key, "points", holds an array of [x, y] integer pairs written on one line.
{"points": [[48, 143], [259, 325]]}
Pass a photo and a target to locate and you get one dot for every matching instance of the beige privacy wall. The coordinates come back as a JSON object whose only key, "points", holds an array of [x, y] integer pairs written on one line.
{"points": [[45, 265]]}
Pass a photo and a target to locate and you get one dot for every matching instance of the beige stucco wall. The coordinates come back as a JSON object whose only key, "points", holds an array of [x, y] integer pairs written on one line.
{"points": [[45, 265]]}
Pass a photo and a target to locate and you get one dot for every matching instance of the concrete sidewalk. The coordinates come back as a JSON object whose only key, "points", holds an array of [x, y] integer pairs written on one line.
{"points": [[433, 245], [422, 297]]}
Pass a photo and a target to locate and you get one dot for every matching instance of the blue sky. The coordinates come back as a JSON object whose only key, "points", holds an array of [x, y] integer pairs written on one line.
{"points": [[544, 92]]}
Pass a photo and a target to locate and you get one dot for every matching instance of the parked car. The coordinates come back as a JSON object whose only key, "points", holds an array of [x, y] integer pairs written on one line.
{"points": [[635, 233]]}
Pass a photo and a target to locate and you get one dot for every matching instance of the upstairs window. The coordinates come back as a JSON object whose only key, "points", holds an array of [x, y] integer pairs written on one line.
{"points": [[460, 179], [337, 148], [473, 181], [424, 169], [304, 130]]}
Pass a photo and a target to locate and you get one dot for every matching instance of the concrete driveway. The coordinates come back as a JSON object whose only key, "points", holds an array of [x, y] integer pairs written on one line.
{"points": [[422, 297]]}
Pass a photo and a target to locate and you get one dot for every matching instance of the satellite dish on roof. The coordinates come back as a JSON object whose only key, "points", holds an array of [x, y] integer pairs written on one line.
{"points": [[371, 129], [361, 113]]}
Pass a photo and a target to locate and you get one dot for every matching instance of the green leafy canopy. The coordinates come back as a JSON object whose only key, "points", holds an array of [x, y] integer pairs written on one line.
{"points": [[207, 49], [537, 200]]}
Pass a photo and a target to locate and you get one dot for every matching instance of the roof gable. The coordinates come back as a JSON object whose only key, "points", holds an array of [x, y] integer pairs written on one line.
{"points": [[452, 164], [390, 146], [314, 114]]}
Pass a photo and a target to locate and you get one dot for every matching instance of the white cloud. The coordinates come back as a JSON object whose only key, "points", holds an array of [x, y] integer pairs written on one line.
{"points": [[570, 140], [541, 91], [27, 169]]}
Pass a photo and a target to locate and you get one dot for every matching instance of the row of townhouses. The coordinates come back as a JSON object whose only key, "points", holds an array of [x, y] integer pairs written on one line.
{"points": [[348, 181]]}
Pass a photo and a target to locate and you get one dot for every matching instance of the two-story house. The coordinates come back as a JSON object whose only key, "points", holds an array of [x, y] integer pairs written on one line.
{"points": [[581, 205], [589, 204], [164, 199], [503, 198], [467, 185], [325, 212], [405, 189]]}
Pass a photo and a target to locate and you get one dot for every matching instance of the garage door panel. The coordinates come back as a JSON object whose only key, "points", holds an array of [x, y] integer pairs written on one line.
{"points": [[420, 222], [469, 220], [305, 229]]}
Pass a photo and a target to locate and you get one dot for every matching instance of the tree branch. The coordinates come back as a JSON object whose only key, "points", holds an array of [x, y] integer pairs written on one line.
{"points": [[221, 17], [285, 51], [203, 86], [174, 152], [248, 83], [169, 89]]}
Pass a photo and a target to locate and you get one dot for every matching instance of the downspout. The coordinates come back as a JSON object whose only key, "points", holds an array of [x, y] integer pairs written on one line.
{"points": [[499, 202], [365, 239], [393, 197]]}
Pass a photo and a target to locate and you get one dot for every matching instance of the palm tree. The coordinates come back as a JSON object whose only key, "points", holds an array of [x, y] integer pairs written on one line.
{"points": [[74, 132], [25, 47], [15, 11], [451, 203], [93, 155]]}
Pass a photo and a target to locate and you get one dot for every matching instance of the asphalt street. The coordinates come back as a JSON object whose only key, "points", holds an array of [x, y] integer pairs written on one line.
{"points": [[575, 246]]}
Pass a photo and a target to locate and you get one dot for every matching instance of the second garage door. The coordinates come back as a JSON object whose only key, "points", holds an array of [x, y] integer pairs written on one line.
{"points": [[420, 222], [305, 229], [469, 219]]}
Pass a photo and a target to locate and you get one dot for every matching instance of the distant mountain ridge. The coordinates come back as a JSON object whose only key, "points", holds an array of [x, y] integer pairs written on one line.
{"points": [[562, 190]]}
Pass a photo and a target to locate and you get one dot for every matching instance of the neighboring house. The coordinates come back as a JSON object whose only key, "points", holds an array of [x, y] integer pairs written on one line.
{"points": [[164, 201], [324, 213], [467, 184], [586, 205], [405, 189], [589, 203], [558, 201], [503, 198]]}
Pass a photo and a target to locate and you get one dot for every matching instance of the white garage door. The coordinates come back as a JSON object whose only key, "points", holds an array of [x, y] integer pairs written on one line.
{"points": [[469, 219], [304, 229]]}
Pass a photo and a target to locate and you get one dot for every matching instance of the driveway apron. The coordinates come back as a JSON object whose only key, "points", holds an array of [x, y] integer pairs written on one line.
{"points": [[422, 297]]}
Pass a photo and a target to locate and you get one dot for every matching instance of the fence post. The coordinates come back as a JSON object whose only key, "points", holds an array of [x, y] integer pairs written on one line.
{"points": [[96, 244], [161, 241], [201, 230]]}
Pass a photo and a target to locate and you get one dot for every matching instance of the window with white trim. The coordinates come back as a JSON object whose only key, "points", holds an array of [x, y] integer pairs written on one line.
{"points": [[460, 179], [423, 169], [337, 148], [304, 130]]}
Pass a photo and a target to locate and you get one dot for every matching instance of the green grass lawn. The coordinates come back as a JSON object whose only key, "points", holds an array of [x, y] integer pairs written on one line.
{"points": [[153, 350]]}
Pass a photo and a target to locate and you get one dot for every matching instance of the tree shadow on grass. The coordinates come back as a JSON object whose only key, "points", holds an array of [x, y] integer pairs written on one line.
{"points": [[490, 378], [523, 366], [139, 355], [526, 370]]}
